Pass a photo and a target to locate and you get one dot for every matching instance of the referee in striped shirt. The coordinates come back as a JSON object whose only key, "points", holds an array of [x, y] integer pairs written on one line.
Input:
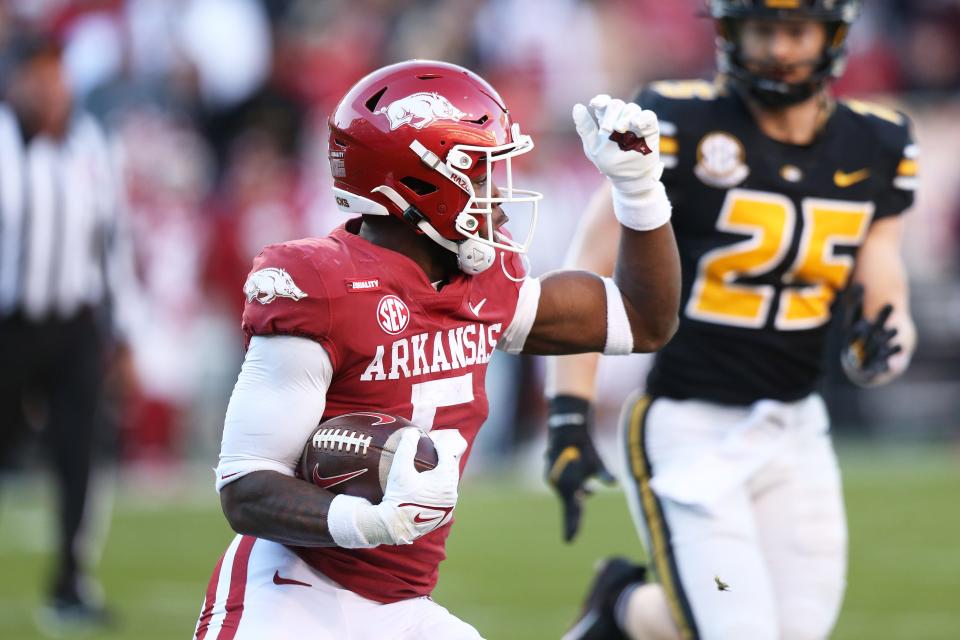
{"points": [[66, 278]]}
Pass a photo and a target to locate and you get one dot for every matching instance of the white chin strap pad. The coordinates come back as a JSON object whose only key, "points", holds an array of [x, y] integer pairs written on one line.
{"points": [[475, 257]]}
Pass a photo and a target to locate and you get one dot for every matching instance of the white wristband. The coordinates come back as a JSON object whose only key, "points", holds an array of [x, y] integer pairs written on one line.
{"points": [[619, 334], [642, 210], [354, 523]]}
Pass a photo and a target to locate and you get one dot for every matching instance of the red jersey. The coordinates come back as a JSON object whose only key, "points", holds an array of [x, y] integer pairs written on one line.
{"points": [[397, 346]]}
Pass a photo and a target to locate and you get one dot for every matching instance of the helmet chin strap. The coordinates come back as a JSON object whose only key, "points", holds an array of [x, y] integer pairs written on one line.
{"points": [[473, 256]]}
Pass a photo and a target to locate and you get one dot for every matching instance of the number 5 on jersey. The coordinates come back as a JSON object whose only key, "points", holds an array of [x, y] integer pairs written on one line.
{"points": [[810, 283], [427, 397]]}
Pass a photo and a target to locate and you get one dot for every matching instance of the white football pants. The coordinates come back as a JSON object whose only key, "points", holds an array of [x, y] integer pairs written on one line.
{"points": [[261, 590], [742, 514]]}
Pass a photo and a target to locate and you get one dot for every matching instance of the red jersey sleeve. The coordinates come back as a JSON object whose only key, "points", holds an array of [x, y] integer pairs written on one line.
{"points": [[285, 295]]}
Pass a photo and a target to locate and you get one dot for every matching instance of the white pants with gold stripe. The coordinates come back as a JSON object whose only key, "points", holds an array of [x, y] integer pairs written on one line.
{"points": [[741, 511]]}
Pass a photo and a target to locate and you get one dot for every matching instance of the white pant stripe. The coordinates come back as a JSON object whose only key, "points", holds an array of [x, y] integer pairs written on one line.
{"points": [[223, 590]]}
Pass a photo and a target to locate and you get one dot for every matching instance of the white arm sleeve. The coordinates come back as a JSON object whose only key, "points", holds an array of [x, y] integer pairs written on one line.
{"points": [[516, 334], [276, 404], [619, 334]]}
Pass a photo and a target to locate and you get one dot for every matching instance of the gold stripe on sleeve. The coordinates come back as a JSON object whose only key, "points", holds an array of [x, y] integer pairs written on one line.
{"points": [[668, 145], [907, 167]]}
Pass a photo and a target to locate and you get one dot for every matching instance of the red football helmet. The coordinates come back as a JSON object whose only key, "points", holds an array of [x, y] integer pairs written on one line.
{"points": [[411, 139]]}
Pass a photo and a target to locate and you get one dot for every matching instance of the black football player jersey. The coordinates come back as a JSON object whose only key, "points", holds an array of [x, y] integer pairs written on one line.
{"points": [[768, 234]]}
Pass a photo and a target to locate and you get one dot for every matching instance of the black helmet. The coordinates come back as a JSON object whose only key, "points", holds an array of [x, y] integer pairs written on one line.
{"points": [[838, 15]]}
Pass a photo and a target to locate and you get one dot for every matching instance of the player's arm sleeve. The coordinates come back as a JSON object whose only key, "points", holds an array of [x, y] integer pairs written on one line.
{"points": [[276, 404], [515, 336], [899, 188]]}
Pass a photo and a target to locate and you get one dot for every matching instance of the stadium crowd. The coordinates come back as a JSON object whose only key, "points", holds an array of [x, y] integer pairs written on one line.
{"points": [[217, 112]]}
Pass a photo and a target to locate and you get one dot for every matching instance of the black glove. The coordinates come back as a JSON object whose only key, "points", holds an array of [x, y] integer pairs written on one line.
{"points": [[571, 458], [867, 345]]}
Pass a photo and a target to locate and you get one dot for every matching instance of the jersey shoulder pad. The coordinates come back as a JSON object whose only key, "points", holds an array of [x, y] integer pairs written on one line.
{"points": [[877, 112], [892, 130], [286, 293], [681, 90], [890, 127]]}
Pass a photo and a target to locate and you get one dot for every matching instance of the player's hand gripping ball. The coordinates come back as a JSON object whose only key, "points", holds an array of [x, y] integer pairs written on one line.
{"points": [[352, 454]]}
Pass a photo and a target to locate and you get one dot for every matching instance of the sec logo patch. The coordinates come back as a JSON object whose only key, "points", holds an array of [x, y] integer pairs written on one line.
{"points": [[721, 160], [392, 314]]}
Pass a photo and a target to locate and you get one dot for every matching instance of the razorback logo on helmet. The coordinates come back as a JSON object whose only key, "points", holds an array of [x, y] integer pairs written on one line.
{"points": [[266, 284], [392, 314], [419, 110]]}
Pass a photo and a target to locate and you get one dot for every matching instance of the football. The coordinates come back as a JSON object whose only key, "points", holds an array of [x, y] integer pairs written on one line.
{"points": [[352, 453]]}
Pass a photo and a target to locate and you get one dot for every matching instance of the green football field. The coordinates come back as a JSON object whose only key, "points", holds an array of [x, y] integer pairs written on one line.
{"points": [[508, 574]]}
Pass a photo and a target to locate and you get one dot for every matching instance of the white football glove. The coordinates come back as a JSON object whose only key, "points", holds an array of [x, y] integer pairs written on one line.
{"points": [[623, 142], [418, 502], [414, 502]]}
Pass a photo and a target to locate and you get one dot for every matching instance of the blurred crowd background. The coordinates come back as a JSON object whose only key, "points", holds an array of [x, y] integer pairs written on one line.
{"points": [[217, 113]]}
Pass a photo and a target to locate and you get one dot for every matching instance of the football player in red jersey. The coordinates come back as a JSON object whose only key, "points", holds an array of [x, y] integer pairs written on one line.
{"points": [[399, 311], [782, 196]]}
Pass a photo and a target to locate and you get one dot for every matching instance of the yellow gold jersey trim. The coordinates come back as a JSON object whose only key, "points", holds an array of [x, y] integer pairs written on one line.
{"points": [[907, 167], [685, 89], [871, 109], [668, 145], [783, 4]]}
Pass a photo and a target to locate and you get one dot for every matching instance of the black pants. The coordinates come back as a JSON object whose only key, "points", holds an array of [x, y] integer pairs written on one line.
{"points": [[51, 377]]}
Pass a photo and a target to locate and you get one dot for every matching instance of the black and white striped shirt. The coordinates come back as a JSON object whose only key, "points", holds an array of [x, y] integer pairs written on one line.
{"points": [[64, 247]]}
